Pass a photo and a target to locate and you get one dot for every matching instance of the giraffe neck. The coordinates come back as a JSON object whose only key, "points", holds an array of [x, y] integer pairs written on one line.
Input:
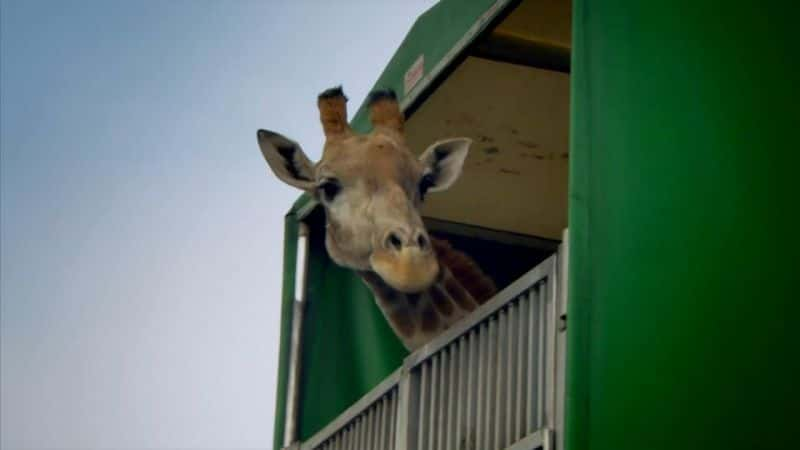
{"points": [[418, 318]]}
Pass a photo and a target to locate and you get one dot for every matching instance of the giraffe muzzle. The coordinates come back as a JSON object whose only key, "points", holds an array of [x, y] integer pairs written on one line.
{"points": [[409, 269]]}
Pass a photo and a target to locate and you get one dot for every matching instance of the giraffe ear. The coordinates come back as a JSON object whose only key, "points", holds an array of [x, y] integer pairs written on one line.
{"points": [[443, 162], [287, 160]]}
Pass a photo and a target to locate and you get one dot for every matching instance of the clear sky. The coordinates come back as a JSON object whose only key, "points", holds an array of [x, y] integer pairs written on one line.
{"points": [[141, 234]]}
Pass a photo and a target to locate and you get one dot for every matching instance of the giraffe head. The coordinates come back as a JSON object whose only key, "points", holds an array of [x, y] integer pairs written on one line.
{"points": [[371, 187]]}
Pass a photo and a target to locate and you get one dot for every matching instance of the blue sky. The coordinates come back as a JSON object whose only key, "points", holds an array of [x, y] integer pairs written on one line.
{"points": [[140, 232]]}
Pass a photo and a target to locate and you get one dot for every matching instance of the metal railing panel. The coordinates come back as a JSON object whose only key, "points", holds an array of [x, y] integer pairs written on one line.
{"points": [[508, 350]]}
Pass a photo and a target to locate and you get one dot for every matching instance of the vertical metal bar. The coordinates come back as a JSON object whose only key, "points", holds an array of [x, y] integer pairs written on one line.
{"points": [[394, 416], [370, 416], [433, 416], [380, 435], [522, 364], [406, 410], [461, 375], [470, 419], [377, 441], [365, 430], [298, 307], [358, 427], [542, 355], [362, 431], [552, 336], [480, 405], [533, 358], [511, 382], [444, 373], [424, 406], [491, 372], [389, 420], [373, 426], [373, 442], [562, 271], [383, 441], [351, 436], [452, 405], [501, 372]]}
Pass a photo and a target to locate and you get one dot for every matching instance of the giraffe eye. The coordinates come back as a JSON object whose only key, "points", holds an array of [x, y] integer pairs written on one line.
{"points": [[329, 188]]}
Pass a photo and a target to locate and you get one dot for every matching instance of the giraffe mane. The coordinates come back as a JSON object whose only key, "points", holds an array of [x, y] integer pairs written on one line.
{"points": [[465, 270]]}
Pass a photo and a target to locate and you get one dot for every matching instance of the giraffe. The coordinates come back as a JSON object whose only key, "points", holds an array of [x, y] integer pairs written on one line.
{"points": [[371, 187]]}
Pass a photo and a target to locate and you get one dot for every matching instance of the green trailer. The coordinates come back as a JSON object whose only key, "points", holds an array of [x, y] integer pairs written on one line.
{"points": [[628, 189]]}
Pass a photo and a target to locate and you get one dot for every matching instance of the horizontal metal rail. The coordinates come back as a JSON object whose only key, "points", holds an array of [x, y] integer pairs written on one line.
{"points": [[491, 382]]}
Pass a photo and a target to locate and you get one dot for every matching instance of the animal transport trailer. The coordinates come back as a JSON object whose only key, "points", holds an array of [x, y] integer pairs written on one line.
{"points": [[657, 134]]}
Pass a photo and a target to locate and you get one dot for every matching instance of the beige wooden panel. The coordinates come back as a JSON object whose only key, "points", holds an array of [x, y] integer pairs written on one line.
{"points": [[515, 177]]}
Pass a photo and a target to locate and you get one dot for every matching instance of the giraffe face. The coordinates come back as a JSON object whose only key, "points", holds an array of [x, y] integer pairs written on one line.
{"points": [[372, 187]]}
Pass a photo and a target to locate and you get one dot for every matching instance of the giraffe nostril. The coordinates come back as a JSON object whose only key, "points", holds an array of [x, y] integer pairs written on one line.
{"points": [[393, 241], [422, 241]]}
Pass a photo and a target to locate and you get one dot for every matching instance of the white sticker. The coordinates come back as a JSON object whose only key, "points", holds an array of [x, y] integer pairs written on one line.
{"points": [[414, 74]]}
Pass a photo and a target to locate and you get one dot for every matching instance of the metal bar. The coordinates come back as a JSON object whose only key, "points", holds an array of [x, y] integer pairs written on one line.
{"points": [[452, 404], [373, 440], [380, 433], [530, 278], [511, 397], [501, 373], [383, 431], [472, 389], [358, 429], [480, 408], [561, 340], [542, 355], [433, 425], [491, 373], [370, 416], [424, 406], [533, 357], [364, 435], [444, 356], [298, 307], [552, 335], [407, 406], [461, 376], [522, 357]]}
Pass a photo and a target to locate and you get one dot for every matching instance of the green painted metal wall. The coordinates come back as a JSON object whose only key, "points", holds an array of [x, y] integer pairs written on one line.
{"points": [[683, 221]]}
